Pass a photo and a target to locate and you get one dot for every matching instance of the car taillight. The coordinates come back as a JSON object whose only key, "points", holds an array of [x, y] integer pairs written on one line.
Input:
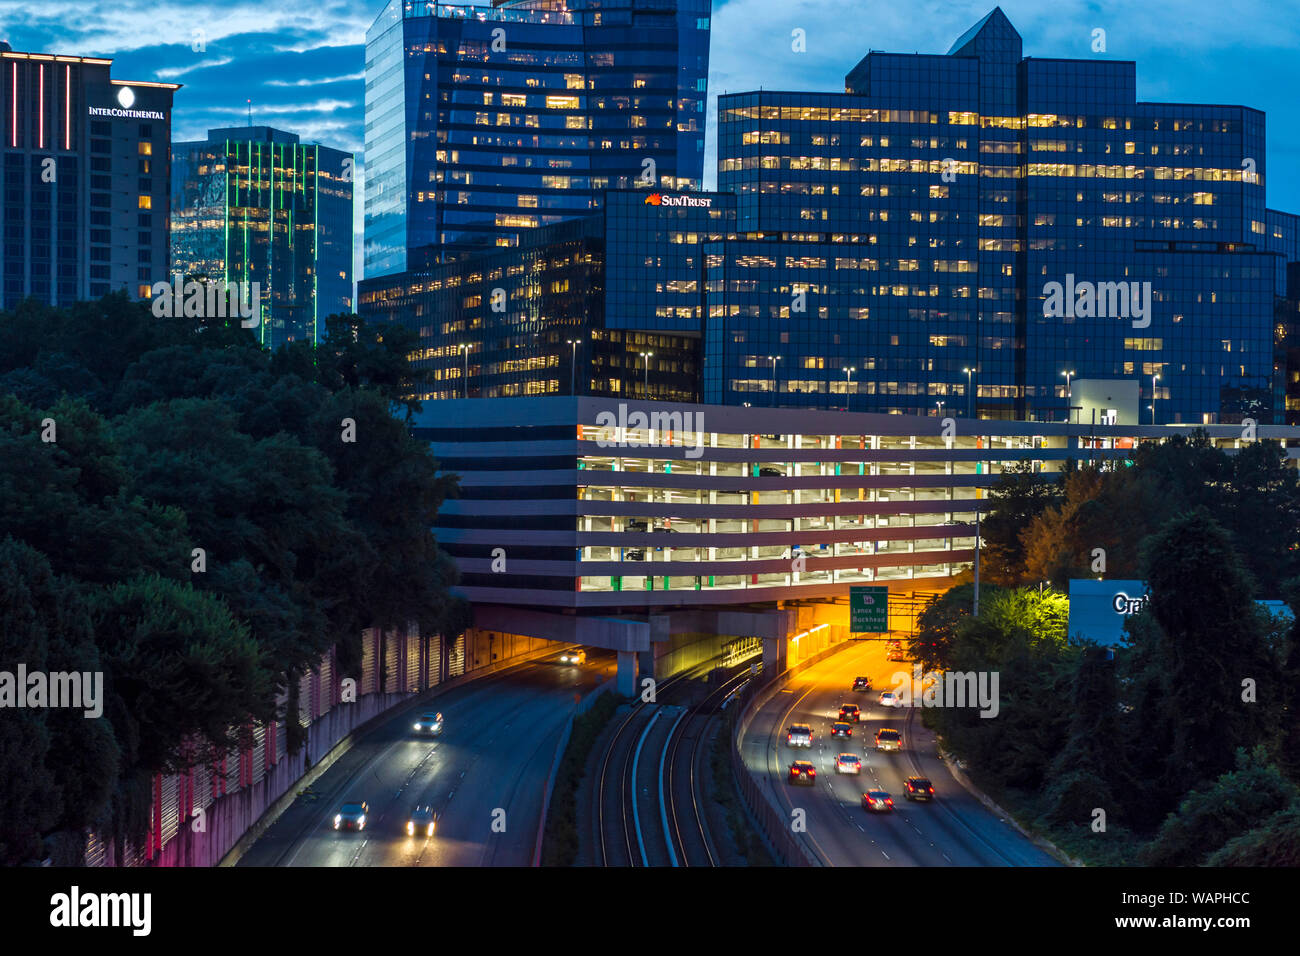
{"points": [[932, 789]]}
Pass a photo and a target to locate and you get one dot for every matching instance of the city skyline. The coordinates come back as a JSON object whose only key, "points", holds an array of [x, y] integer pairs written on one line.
{"points": [[305, 74]]}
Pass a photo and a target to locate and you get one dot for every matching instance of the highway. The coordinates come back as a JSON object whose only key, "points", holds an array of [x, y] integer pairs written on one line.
{"points": [[496, 749], [953, 830]]}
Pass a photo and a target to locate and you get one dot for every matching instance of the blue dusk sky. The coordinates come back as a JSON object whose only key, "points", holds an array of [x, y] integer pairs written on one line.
{"points": [[302, 64]]}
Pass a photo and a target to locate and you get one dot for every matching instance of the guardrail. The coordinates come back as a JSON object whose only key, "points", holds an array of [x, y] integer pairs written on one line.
{"points": [[579, 709]]}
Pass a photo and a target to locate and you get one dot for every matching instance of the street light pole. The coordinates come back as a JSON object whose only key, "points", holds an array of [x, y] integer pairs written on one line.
{"points": [[645, 356], [1069, 394], [775, 359], [1154, 379], [573, 360], [848, 375], [465, 351], [970, 399]]}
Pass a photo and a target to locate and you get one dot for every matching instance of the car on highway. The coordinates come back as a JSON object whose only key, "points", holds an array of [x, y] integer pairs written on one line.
{"points": [[799, 735], [850, 712], [421, 822], [888, 739], [841, 728], [896, 654], [888, 698], [877, 801], [802, 771], [862, 683], [429, 724], [848, 763], [918, 788], [352, 816], [578, 656]]}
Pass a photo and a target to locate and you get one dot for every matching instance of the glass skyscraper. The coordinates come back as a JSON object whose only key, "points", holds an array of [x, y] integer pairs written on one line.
{"points": [[914, 225], [485, 121], [253, 204], [610, 304], [968, 234]]}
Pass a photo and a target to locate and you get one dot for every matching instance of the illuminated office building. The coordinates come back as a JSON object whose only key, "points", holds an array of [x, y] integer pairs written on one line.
{"points": [[84, 173], [253, 204], [965, 234], [924, 214], [485, 121]]}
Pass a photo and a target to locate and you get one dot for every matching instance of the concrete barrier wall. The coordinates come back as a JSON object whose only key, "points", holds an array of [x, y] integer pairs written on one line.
{"points": [[198, 817]]}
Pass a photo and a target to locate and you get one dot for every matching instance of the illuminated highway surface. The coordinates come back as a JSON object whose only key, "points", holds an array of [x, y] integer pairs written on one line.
{"points": [[953, 830], [496, 749]]}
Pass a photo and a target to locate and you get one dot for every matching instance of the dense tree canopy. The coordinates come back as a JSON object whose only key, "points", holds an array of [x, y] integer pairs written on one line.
{"points": [[200, 520], [1185, 735]]}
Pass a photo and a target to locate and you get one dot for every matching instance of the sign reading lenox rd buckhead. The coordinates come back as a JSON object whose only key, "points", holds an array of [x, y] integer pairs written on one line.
{"points": [[125, 99], [660, 199], [868, 609]]}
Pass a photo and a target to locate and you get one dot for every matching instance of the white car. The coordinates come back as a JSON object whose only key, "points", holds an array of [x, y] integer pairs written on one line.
{"points": [[848, 763], [888, 699], [574, 657]]}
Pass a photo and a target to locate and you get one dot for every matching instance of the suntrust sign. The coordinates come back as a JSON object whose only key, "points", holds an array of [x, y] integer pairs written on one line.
{"points": [[659, 199]]}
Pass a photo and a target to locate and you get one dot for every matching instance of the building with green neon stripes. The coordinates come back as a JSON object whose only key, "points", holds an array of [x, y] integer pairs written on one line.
{"points": [[254, 204]]}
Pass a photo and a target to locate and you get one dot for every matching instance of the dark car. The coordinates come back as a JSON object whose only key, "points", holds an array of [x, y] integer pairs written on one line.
{"points": [[771, 473], [841, 728], [862, 683], [421, 822], [850, 712], [877, 801], [896, 654], [429, 724], [352, 816], [918, 788], [634, 554], [802, 771]]}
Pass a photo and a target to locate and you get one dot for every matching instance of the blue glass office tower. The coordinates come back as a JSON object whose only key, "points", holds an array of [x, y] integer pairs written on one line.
{"points": [[483, 122], [611, 304], [912, 227]]}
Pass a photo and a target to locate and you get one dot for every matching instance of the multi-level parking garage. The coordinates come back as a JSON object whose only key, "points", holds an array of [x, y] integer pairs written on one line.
{"points": [[616, 512]]}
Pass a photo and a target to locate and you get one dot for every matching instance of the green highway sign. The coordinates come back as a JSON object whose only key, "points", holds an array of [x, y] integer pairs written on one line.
{"points": [[868, 609]]}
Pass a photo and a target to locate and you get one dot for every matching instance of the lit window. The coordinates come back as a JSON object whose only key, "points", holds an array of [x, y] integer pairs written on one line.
{"points": [[145, 202]]}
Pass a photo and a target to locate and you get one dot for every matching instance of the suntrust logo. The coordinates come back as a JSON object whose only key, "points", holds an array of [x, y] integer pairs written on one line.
{"points": [[659, 199]]}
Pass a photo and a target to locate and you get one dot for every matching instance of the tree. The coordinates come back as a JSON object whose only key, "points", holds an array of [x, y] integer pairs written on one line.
{"points": [[1210, 637], [1208, 818], [1019, 496]]}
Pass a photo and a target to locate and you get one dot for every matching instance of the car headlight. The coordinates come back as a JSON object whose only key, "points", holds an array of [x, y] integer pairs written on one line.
{"points": [[338, 818], [417, 726], [429, 832], [410, 828]]}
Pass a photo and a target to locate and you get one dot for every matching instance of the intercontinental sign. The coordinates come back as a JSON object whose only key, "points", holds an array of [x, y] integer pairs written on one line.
{"points": [[125, 99]]}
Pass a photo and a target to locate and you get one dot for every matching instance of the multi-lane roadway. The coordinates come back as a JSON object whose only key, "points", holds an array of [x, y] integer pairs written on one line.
{"points": [[484, 776], [955, 829]]}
